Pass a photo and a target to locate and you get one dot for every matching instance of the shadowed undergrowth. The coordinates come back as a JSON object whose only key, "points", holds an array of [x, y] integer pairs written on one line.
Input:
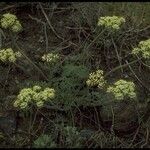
{"points": [[72, 78]]}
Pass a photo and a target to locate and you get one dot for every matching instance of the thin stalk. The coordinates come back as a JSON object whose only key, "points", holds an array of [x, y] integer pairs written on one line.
{"points": [[38, 69], [117, 54], [137, 76], [95, 39], [49, 23], [14, 43], [122, 66]]}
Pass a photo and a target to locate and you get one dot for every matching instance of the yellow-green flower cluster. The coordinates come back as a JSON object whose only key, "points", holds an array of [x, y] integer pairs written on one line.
{"points": [[111, 22], [143, 49], [50, 58], [9, 55], [122, 89], [96, 79], [34, 95], [10, 21]]}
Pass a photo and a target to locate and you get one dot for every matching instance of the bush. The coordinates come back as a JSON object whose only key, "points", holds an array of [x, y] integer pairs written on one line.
{"points": [[57, 59]]}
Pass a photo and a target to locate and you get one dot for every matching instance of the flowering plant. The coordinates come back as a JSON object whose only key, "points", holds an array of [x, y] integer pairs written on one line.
{"points": [[9, 55], [10, 21], [109, 22], [50, 58], [96, 79], [122, 89], [143, 49], [34, 95]]}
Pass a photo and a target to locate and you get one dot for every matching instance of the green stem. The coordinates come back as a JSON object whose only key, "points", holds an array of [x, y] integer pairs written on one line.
{"points": [[119, 59], [17, 65], [38, 69], [122, 66], [14, 42], [95, 39]]}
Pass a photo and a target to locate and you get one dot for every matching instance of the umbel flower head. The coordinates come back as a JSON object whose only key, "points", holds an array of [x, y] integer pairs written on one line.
{"points": [[34, 95], [143, 49], [9, 55], [50, 58], [122, 89], [10, 21], [111, 22], [96, 79]]}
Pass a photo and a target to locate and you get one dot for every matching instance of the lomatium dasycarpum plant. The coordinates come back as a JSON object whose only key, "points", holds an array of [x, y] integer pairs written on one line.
{"points": [[10, 21], [122, 90], [96, 79], [143, 49], [34, 95], [8, 55], [50, 58], [111, 22]]}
